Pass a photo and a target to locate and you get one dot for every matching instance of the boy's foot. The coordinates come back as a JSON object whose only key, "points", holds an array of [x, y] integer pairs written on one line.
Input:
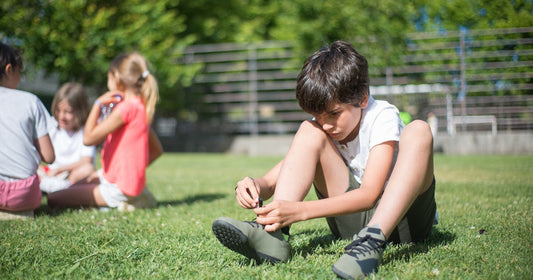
{"points": [[252, 240], [363, 255]]}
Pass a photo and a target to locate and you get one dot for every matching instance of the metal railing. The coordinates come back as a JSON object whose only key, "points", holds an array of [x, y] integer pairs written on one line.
{"points": [[249, 88]]}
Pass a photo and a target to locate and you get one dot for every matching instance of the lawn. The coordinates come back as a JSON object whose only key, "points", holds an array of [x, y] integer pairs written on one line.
{"points": [[485, 231]]}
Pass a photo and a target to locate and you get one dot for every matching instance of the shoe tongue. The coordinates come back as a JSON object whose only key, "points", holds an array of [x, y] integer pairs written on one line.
{"points": [[373, 231]]}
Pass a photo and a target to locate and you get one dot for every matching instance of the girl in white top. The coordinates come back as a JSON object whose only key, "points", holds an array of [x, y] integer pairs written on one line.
{"points": [[74, 160]]}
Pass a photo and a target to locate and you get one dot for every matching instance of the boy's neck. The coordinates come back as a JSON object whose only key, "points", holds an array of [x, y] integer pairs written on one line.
{"points": [[352, 135]]}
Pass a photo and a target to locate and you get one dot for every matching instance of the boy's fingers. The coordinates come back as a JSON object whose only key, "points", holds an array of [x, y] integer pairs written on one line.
{"points": [[272, 227], [262, 211], [252, 188]]}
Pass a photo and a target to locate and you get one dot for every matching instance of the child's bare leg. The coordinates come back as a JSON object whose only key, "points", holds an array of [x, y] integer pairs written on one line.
{"points": [[411, 176], [311, 157], [76, 196]]}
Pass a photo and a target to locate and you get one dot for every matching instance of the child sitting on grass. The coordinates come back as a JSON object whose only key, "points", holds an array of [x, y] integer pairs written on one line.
{"points": [[374, 178], [74, 161], [24, 140], [130, 145]]}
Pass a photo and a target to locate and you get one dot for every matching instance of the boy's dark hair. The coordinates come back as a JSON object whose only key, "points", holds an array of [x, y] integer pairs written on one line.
{"points": [[9, 55], [335, 73]]}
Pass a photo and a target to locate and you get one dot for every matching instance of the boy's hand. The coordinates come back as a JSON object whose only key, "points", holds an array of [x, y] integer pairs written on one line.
{"points": [[278, 214], [247, 193]]}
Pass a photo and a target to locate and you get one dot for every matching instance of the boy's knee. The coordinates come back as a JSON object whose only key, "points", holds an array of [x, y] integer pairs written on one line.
{"points": [[311, 127], [311, 131], [418, 131]]}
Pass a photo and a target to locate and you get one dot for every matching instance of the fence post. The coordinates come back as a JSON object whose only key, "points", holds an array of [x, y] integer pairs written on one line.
{"points": [[449, 114], [462, 90], [389, 82], [252, 84]]}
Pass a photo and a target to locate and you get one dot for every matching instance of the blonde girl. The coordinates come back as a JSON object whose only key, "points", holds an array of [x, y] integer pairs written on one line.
{"points": [[129, 143], [74, 160]]}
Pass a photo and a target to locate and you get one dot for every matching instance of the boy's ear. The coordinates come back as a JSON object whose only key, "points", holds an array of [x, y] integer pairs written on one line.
{"points": [[8, 69], [364, 102]]}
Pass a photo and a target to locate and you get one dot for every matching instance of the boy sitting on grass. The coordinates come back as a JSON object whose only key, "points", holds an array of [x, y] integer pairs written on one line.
{"points": [[374, 179]]}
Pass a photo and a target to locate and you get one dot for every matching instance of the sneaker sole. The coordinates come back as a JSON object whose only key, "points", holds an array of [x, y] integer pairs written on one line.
{"points": [[232, 238]]}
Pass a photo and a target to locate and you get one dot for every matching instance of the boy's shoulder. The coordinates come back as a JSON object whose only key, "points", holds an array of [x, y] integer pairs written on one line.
{"points": [[376, 107], [380, 118]]}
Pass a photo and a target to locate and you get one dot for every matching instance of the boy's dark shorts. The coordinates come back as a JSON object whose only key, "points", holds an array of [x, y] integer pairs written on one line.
{"points": [[414, 226]]}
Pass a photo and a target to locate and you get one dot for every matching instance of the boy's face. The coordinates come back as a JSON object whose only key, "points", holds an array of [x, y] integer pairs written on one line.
{"points": [[341, 121]]}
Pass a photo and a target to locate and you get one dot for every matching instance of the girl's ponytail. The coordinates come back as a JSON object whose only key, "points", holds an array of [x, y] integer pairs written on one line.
{"points": [[132, 70], [149, 94]]}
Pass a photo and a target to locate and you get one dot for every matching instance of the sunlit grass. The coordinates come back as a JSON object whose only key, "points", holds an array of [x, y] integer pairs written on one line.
{"points": [[485, 232]]}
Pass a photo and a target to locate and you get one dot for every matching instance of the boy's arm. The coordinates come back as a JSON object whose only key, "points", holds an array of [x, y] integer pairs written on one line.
{"points": [[358, 200], [376, 172], [267, 182], [248, 190]]}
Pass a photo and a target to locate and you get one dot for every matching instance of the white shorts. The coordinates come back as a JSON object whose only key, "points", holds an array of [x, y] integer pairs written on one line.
{"points": [[110, 192]]}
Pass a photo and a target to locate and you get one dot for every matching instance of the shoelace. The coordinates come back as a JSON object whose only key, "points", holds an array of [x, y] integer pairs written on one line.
{"points": [[254, 224], [364, 245]]}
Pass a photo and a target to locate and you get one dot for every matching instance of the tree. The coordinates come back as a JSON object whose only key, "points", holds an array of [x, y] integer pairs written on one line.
{"points": [[77, 39], [472, 14]]}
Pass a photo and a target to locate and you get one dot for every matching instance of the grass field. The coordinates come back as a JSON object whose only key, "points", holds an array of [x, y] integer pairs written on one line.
{"points": [[485, 232]]}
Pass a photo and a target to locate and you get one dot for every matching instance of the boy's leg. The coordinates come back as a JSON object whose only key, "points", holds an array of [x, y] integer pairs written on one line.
{"points": [[412, 175], [311, 157]]}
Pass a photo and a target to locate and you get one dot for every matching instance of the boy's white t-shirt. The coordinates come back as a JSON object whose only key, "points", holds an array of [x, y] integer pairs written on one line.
{"points": [[68, 147], [380, 122]]}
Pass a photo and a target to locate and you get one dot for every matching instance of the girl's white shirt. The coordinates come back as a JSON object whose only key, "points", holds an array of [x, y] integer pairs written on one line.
{"points": [[68, 146]]}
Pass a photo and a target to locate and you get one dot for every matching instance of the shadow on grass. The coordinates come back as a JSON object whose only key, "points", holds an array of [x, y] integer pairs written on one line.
{"points": [[45, 210], [192, 199], [316, 243], [436, 238]]}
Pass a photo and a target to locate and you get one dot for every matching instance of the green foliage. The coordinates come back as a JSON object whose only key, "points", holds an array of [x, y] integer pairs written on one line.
{"points": [[175, 241], [376, 28], [473, 14], [78, 39]]}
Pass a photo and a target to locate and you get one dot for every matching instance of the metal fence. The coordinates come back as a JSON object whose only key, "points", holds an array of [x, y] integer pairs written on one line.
{"points": [[469, 80]]}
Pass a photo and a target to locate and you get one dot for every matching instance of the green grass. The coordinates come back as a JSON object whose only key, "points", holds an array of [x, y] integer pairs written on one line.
{"points": [[174, 241]]}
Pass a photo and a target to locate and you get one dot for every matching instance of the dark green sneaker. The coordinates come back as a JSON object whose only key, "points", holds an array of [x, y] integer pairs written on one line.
{"points": [[363, 255], [252, 240]]}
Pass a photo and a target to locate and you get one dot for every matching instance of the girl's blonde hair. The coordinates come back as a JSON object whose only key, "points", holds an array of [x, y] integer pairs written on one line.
{"points": [[132, 72], [74, 94]]}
